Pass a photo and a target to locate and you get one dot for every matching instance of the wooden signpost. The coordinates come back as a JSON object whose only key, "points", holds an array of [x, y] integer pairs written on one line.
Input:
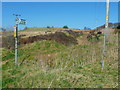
{"points": [[22, 22]]}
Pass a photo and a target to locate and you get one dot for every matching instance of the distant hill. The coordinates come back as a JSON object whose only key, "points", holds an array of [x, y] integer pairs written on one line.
{"points": [[111, 25]]}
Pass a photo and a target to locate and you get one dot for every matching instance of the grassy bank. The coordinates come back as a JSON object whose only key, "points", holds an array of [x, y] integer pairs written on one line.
{"points": [[49, 64]]}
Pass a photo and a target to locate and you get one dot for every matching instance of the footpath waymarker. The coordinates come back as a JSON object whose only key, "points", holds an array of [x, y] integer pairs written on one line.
{"points": [[14, 31], [22, 22]]}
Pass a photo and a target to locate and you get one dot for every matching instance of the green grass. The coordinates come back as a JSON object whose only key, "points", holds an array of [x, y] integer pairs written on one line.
{"points": [[76, 66], [8, 54]]}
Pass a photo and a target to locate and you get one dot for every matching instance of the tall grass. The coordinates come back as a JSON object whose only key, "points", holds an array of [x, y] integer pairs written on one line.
{"points": [[53, 65]]}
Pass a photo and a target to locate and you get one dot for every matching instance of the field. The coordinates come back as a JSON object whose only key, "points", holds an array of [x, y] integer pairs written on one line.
{"points": [[54, 64]]}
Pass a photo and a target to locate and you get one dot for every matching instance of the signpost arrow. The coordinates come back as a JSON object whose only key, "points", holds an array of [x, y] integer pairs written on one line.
{"points": [[22, 21]]}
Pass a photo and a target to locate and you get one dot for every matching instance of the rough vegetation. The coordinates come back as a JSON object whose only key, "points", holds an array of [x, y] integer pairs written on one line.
{"points": [[59, 37], [48, 61], [66, 37]]}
